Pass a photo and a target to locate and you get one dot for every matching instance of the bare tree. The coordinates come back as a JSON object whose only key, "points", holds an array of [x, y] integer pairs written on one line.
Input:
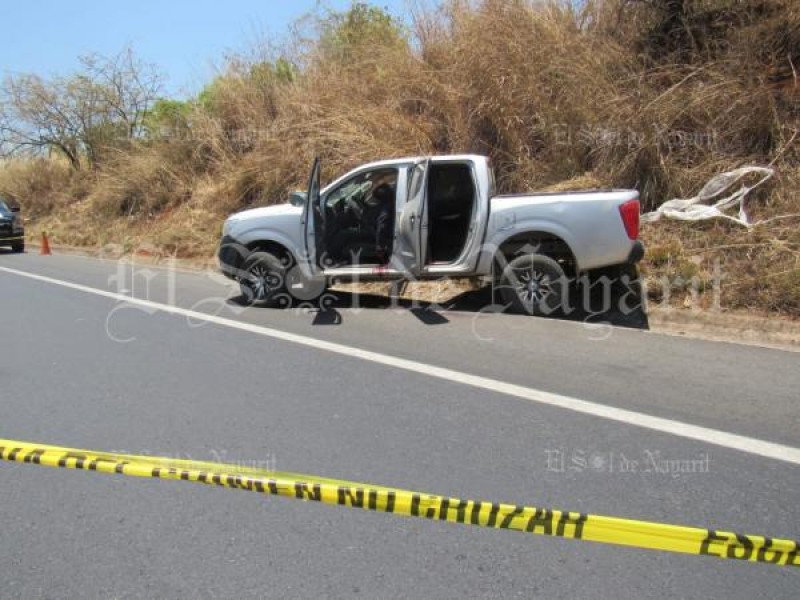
{"points": [[103, 106], [128, 87]]}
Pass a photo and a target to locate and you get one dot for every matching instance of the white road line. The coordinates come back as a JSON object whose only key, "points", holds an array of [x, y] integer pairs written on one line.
{"points": [[677, 428]]}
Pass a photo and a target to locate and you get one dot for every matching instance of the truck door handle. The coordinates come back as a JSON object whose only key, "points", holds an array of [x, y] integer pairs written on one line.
{"points": [[413, 220]]}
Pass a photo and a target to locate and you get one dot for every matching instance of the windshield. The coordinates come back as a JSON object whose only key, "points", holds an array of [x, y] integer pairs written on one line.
{"points": [[4, 208], [353, 190]]}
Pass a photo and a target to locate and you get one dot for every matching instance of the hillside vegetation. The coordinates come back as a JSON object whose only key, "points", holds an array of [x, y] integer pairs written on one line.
{"points": [[659, 95]]}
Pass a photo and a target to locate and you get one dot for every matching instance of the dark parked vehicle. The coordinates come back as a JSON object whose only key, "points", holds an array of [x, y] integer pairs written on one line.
{"points": [[12, 233]]}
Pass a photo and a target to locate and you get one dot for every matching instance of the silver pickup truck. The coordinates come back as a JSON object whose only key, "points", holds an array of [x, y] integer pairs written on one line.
{"points": [[424, 218]]}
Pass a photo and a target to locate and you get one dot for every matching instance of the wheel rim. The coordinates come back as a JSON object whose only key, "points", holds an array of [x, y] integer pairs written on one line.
{"points": [[533, 286], [261, 281]]}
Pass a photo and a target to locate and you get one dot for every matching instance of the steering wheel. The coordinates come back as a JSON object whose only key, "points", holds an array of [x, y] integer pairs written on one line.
{"points": [[337, 210], [353, 208]]}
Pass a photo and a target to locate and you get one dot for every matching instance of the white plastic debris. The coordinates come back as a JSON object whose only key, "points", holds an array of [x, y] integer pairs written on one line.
{"points": [[698, 207]]}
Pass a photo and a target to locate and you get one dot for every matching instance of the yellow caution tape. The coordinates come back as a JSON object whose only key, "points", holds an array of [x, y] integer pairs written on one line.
{"points": [[580, 526]]}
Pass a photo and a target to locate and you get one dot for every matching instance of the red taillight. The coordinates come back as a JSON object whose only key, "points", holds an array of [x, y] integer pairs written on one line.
{"points": [[630, 218]]}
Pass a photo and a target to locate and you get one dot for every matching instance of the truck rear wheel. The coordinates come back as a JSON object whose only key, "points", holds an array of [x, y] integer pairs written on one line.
{"points": [[533, 284]]}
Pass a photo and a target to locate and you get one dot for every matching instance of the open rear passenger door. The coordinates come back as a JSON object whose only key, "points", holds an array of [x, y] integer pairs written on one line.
{"points": [[412, 239]]}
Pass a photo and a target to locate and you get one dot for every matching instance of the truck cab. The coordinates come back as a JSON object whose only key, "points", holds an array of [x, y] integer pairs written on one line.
{"points": [[418, 217]]}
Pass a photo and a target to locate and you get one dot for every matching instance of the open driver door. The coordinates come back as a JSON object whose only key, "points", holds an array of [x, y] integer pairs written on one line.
{"points": [[313, 222]]}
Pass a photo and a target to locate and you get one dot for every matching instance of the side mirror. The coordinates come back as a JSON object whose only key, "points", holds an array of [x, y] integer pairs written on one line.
{"points": [[297, 198]]}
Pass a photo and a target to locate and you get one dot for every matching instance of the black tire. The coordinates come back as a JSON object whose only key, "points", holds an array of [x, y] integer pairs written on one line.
{"points": [[534, 284], [263, 280], [277, 282], [18, 248]]}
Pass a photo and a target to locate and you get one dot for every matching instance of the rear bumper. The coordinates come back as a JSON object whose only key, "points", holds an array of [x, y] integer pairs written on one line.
{"points": [[636, 254]]}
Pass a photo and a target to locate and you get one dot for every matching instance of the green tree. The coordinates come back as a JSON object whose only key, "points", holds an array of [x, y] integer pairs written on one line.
{"points": [[208, 98], [168, 118], [265, 73], [344, 36]]}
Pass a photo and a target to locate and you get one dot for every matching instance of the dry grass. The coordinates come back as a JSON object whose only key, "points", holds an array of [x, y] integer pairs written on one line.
{"points": [[560, 98]]}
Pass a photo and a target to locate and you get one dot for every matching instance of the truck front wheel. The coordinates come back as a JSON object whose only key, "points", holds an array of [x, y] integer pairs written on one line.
{"points": [[263, 281], [278, 281], [533, 284]]}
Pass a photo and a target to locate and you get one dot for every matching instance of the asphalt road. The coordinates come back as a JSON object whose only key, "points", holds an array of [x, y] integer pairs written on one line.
{"points": [[90, 371]]}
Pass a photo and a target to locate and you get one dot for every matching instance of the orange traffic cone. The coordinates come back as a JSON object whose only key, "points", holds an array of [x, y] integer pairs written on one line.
{"points": [[44, 250]]}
